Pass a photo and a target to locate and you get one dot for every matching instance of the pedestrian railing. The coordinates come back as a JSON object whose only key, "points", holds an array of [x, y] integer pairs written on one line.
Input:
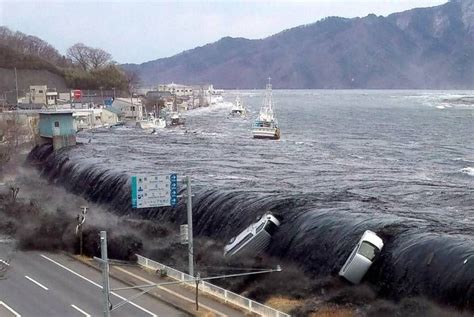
{"points": [[219, 292]]}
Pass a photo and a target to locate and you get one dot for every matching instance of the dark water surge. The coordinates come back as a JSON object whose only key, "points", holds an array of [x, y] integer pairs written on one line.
{"points": [[398, 163]]}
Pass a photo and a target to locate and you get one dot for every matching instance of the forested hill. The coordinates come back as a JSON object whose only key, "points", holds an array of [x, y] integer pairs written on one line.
{"points": [[420, 48], [39, 63]]}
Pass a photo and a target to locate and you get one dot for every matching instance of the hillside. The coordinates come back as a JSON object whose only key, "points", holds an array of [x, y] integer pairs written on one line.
{"points": [[31, 70], [39, 63], [420, 48]]}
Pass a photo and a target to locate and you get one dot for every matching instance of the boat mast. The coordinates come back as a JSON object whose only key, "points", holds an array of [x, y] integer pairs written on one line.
{"points": [[268, 95]]}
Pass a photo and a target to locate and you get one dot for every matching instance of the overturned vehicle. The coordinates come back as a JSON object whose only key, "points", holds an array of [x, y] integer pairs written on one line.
{"points": [[254, 239], [362, 257]]}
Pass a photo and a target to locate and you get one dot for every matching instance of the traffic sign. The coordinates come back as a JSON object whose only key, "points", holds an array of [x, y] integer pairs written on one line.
{"points": [[154, 191]]}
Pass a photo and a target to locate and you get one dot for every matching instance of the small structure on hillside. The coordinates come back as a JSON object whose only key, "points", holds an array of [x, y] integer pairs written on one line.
{"points": [[57, 128]]}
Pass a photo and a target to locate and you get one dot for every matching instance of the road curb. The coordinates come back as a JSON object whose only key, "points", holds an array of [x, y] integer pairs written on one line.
{"points": [[185, 310]]}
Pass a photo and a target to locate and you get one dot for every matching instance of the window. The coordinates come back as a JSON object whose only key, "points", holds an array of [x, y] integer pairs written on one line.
{"points": [[270, 227], [40, 91], [56, 124], [368, 250], [260, 227]]}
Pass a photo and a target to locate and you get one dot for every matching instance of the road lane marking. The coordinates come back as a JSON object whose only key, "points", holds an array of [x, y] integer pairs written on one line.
{"points": [[4, 262], [80, 310], [10, 309], [94, 283], [170, 291], [37, 283]]}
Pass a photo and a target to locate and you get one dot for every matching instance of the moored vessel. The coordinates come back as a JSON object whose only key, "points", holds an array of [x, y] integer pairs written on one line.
{"points": [[266, 125]]}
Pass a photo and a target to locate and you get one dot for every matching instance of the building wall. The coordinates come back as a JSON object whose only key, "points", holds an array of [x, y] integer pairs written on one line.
{"points": [[60, 142], [128, 110], [48, 124], [38, 94], [108, 117]]}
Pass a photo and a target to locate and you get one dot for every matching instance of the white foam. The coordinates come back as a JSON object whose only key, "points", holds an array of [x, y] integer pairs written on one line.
{"points": [[468, 170]]}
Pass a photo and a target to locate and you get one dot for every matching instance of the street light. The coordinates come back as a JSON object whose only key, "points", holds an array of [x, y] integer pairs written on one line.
{"points": [[81, 218]]}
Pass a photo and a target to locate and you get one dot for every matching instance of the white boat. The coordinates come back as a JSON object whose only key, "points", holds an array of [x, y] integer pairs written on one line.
{"points": [[238, 110], [254, 239], [176, 118], [215, 97], [266, 125], [150, 122]]}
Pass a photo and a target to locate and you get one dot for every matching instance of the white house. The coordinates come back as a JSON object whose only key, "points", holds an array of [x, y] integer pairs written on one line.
{"points": [[129, 108]]}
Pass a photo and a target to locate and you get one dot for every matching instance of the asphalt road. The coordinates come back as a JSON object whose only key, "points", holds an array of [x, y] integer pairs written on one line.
{"points": [[44, 284]]}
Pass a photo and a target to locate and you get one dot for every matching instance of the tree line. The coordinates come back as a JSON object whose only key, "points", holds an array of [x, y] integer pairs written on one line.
{"points": [[83, 67]]}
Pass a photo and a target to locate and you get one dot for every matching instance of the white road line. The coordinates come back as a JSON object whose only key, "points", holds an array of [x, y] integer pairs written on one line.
{"points": [[99, 286], [4, 262], [10, 309], [170, 291], [37, 283], [80, 310]]}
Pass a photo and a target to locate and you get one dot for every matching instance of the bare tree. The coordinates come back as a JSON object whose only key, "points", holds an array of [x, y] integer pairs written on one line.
{"points": [[79, 54], [28, 45], [99, 58], [133, 79]]}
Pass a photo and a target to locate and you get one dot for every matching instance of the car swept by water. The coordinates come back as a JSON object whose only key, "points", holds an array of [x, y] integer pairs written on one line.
{"points": [[254, 239], [362, 257]]}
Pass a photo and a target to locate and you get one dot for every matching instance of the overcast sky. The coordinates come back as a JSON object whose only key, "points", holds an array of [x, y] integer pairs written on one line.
{"points": [[140, 31]]}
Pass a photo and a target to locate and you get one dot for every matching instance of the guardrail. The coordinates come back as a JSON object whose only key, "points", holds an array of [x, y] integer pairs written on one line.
{"points": [[219, 292]]}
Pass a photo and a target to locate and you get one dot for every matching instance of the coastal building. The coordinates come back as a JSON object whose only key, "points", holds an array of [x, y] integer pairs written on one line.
{"points": [[94, 118], [40, 94], [128, 108], [177, 97], [176, 89], [57, 128]]}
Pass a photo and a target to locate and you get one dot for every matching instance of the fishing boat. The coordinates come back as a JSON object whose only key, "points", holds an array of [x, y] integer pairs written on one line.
{"points": [[151, 122], [266, 125], [176, 119], [238, 110]]}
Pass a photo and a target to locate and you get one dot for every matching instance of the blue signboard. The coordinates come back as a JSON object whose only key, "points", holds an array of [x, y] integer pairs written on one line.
{"points": [[154, 191]]}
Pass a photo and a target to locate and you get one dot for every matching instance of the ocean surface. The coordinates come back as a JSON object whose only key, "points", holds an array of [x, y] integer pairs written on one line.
{"points": [[400, 163]]}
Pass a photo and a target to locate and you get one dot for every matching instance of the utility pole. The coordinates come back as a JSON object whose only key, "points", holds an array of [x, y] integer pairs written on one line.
{"points": [[189, 205], [16, 86], [81, 218], [105, 272], [131, 103]]}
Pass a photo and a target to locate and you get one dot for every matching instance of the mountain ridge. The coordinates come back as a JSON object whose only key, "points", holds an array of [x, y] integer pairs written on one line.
{"points": [[421, 48]]}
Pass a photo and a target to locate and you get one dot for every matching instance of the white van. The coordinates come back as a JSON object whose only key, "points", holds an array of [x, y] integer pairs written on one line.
{"points": [[255, 239], [362, 257]]}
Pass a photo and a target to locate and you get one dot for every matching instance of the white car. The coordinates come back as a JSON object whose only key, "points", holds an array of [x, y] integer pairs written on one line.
{"points": [[255, 239], [362, 257]]}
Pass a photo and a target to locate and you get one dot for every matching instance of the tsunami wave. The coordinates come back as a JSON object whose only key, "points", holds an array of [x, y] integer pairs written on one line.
{"points": [[418, 258]]}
